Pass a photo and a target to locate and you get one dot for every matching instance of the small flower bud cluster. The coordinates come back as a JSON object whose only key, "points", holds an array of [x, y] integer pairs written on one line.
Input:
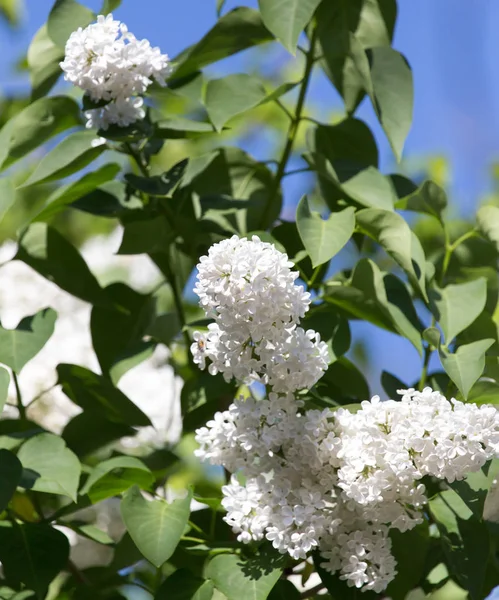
{"points": [[110, 64], [248, 288], [336, 481]]}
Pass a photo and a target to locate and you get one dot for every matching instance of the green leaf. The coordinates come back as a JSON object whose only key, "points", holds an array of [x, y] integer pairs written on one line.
{"points": [[457, 305], [118, 331], [97, 394], [183, 585], [337, 587], [4, 387], [488, 223], [95, 534], [393, 94], [164, 328], [20, 345], [104, 432], [180, 127], [64, 195], [161, 186], [429, 198], [491, 504], [464, 540], [36, 124], [242, 579], [333, 329], [466, 365], [155, 526], [109, 200], [323, 239], [284, 590], [43, 63], [109, 6], [116, 475], [10, 475], [47, 252], [7, 196], [231, 96], [57, 468], [391, 384], [394, 235], [146, 236], [68, 157], [65, 17], [345, 29], [239, 29], [32, 554], [286, 19]]}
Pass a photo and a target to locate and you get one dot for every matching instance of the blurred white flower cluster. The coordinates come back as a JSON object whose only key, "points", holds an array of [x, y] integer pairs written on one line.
{"points": [[338, 481], [151, 385], [248, 288], [110, 64]]}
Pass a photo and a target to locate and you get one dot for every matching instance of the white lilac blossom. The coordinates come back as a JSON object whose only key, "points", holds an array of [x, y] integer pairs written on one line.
{"points": [[109, 63], [249, 289], [338, 481]]}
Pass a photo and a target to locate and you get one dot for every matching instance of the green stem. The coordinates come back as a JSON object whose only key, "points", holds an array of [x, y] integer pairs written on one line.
{"points": [[426, 361], [315, 274], [292, 131], [138, 159], [450, 247], [20, 405], [312, 591]]}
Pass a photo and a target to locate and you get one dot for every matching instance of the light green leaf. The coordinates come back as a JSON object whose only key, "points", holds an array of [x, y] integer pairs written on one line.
{"points": [[36, 124], [286, 19], [457, 305], [220, 5], [11, 10], [488, 223], [10, 475], [67, 194], [393, 94], [239, 29], [323, 239], [183, 585], [231, 96], [180, 127], [429, 198], [43, 62], [4, 387], [58, 468], [47, 252], [116, 475], [65, 17], [394, 235], [33, 554], [72, 154], [155, 526], [7, 196], [20, 345], [242, 579], [92, 532]]}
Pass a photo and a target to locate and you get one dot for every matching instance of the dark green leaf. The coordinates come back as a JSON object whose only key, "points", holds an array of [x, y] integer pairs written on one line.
{"points": [[158, 185], [58, 468], [43, 61], [239, 29], [114, 476], [146, 236], [10, 476], [231, 96], [97, 394], [104, 432], [68, 157], [108, 200], [20, 345], [429, 198], [344, 383], [457, 305], [393, 94], [164, 327], [155, 526], [183, 585], [47, 252], [286, 19], [323, 239], [337, 587], [7, 196], [65, 17], [398, 240], [333, 329], [33, 554], [36, 124], [242, 579], [71, 192], [284, 590], [391, 384]]}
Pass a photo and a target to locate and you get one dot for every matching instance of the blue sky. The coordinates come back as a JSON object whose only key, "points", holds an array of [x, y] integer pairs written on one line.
{"points": [[452, 48]]}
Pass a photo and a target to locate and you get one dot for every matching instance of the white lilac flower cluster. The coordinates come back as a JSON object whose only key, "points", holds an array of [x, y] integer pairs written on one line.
{"points": [[248, 288], [332, 481], [110, 64], [336, 481]]}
